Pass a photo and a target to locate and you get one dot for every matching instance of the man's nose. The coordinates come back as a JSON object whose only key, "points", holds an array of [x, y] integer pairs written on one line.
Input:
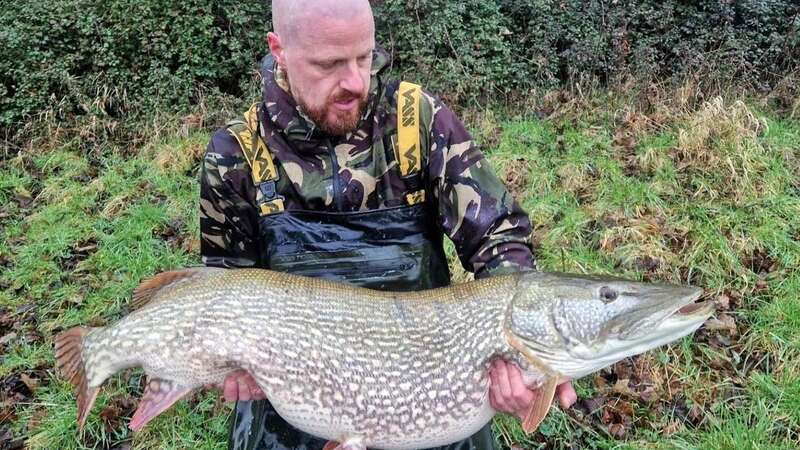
{"points": [[351, 79]]}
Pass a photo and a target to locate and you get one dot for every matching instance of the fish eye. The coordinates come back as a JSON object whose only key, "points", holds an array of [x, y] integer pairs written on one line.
{"points": [[607, 294]]}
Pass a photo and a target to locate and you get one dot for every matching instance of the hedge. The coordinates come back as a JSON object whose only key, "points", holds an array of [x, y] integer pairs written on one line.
{"points": [[124, 57]]}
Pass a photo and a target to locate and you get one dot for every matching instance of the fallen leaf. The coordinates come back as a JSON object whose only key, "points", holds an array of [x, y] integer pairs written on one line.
{"points": [[649, 394], [625, 409], [608, 416], [23, 198], [31, 383], [723, 322], [593, 405], [723, 302], [622, 387], [599, 381], [617, 430]]}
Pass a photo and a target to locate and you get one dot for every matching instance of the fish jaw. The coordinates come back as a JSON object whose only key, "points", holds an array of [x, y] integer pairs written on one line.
{"points": [[671, 328], [573, 325]]}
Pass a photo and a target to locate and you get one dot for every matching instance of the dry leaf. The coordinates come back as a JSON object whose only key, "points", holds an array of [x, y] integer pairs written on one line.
{"points": [[723, 322], [622, 387], [31, 383]]}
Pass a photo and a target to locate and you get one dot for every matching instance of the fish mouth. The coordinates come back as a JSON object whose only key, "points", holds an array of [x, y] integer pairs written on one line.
{"points": [[692, 314], [690, 309], [657, 319], [664, 327], [695, 308]]}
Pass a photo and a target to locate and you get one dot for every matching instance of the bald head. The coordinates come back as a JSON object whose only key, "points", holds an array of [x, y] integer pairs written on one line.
{"points": [[290, 17], [325, 50]]}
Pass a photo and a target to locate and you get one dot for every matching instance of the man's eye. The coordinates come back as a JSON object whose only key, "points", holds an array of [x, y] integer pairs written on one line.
{"points": [[326, 65]]}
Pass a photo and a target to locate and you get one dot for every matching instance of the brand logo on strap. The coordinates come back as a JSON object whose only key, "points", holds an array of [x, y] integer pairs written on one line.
{"points": [[408, 140], [410, 106]]}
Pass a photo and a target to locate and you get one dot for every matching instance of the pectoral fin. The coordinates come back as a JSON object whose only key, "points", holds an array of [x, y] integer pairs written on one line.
{"points": [[159, 395], [540, 406]]}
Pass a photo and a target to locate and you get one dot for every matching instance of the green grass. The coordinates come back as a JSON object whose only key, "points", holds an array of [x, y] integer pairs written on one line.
{"points": [[91, 234], [708, 196]]}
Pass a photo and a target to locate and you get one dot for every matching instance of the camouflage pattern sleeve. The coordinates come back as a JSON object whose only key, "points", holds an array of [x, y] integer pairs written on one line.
{"points": [[228, 216], [491, 232]]}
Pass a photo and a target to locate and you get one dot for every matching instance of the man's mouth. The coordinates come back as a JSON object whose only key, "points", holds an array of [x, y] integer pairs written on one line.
{"points": [[345, 104]]}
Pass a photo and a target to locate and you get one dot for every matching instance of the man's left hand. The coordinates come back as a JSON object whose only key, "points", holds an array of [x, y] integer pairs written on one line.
{"points": [[509, 394]]}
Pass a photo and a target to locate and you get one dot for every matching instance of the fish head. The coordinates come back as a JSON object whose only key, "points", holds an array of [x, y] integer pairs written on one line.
{"points": [[578, 324]]}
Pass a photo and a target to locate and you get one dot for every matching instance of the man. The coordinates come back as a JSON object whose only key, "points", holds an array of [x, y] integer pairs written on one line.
{"points": [[343, 188]]}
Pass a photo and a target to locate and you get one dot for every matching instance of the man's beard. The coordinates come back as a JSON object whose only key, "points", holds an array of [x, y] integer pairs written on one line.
{"points": [[343, 122]]}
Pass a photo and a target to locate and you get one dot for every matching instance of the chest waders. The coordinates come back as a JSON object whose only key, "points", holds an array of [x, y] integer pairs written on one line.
{"points": [[396, 248]]}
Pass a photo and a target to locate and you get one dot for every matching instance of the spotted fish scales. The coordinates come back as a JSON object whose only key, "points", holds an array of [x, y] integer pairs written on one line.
{"points": [[387, 370]]}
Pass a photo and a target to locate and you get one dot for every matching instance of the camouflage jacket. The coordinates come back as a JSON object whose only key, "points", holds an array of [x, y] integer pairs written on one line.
{"points": [[358, 172]]}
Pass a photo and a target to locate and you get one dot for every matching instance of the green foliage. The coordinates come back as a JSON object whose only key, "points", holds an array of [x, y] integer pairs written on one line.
{"points": [[75, 57], [79, 230], [506, 46], [120, 56]]}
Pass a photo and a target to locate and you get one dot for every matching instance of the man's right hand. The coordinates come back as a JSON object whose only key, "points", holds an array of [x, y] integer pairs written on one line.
{"points": [[240, 386]]}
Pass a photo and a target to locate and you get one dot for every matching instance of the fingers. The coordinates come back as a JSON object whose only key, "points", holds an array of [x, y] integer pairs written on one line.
{"points": [[507, 391], [255, 392], [521, 395], [499, 390], [240, 386], [230, 388], [566, 394], [243, 388], [496, 398]]}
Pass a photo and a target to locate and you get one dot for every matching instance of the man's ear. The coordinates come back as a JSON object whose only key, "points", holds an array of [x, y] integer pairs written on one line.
{"points": [[276, 48]]}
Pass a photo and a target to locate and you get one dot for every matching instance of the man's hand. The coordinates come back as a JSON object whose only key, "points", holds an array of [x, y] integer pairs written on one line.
{"points": [[240, 385], [508, 394]]}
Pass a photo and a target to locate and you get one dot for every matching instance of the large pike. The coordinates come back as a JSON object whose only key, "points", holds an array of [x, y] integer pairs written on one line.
{"points": [[368, 368]]}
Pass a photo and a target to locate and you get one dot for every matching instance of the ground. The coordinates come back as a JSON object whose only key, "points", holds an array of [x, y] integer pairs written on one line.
{"points": [[656, 184]]}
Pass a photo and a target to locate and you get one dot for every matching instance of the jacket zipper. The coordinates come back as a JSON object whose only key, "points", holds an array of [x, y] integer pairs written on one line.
{"points": [[337, 182]]}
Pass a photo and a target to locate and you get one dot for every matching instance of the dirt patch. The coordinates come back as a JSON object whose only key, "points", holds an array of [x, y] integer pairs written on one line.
{"points": [[7, 440], [18, 327], [79, 252], [14, 389], [625, 143], [760, 262], [637, 393], [116, 411], [6, 320], [175, 235]]}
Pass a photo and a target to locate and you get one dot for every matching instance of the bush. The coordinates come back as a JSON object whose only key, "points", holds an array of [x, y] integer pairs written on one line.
{"points": [[123, 57], [505, 46]]}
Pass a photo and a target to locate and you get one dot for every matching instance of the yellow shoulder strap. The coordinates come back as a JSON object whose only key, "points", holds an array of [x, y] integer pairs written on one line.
{"points": [[257, 154], [409, 151]]}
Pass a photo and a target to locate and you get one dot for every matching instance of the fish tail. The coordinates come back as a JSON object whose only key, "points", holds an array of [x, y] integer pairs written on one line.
{"points": [[70, 363]]}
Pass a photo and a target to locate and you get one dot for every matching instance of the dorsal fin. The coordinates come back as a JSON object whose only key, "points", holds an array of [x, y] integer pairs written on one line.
{"points": [[147, 289]]}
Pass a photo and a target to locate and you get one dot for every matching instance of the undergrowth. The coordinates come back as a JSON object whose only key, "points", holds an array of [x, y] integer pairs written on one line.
{"points": [[646, 184]]}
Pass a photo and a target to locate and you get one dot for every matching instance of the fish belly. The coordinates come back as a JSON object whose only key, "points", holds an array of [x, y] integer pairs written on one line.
{"points": [[389, 432]]}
